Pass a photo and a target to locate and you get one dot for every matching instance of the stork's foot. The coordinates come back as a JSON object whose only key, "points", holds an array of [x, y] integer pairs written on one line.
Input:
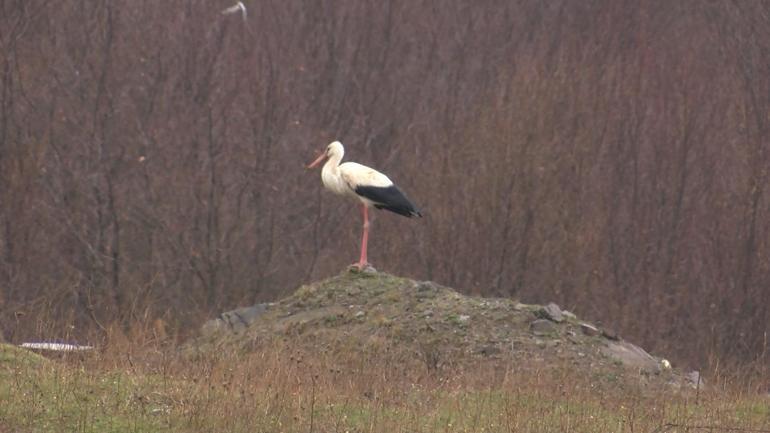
{"points": [[362, 267]]}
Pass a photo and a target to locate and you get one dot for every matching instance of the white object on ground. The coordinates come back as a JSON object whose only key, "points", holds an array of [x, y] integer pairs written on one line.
{"points": [[57, 347]]}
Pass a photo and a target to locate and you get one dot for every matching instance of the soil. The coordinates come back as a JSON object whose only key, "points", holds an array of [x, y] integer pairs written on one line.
{"points": [[393, 317]]}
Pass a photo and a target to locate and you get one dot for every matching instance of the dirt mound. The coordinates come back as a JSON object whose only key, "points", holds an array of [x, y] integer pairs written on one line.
{"points": [[383, 314]]}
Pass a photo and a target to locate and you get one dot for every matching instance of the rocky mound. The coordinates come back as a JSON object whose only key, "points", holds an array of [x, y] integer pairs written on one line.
{"points": [[381, 313]]}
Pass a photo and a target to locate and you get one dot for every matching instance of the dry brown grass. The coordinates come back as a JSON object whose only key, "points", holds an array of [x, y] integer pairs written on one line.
{"points": [[152, 387]]}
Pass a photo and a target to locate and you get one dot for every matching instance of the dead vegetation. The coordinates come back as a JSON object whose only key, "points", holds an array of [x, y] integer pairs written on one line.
{"points": [[610, 156], [368, 352], [283, 388]]}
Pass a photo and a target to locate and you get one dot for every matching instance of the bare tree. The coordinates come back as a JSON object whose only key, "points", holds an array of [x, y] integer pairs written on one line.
{"points": [[608, 155]]}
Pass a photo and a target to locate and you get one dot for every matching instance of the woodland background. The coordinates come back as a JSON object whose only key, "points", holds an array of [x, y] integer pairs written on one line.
{"points": [[611, 156]]}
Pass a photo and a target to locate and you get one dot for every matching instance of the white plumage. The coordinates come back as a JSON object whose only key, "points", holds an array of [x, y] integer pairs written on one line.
{"points": [[238, 7], [370, 186]]}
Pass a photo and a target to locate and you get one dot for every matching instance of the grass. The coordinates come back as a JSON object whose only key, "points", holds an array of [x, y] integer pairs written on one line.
{"points": [[280, 388]]}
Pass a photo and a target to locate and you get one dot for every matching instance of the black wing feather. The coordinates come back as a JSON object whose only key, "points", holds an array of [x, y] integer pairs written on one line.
{"points": [[390, 198]]}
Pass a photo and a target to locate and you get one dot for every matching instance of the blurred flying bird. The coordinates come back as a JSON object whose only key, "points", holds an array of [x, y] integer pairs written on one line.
{"points": [[234, 9]]}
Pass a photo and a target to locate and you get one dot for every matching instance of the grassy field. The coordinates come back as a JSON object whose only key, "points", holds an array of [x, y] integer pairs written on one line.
{"points": [[281, 389]]}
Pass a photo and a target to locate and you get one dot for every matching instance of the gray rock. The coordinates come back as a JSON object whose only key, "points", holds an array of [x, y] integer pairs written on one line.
{"points": [[424, 286], [213, 327], [589, 329], [359, 314], [574, 339], [426, 289], [234, 321], [542, 327], [368, 269], [489, 350], [569, 314], [631, 356], [694, 380], [551, 312], [610, 334]]}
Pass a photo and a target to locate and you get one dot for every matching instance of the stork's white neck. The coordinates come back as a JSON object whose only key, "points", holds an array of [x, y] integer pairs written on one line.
{"points": [[334, 158], [330, 174]]}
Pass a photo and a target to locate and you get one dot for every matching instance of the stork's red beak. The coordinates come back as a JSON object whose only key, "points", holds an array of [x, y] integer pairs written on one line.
{"points": [[318, 160]]}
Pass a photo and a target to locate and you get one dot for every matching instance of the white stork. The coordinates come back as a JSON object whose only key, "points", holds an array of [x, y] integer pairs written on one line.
{"points": [[367, 184], [238, 7]]}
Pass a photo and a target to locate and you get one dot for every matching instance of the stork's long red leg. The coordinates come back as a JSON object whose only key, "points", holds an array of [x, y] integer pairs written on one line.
{"points": [[362, 262]]}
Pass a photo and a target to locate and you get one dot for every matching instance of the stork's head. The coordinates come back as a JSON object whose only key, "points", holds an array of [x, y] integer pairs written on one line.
{"points": [[333, 151]]}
